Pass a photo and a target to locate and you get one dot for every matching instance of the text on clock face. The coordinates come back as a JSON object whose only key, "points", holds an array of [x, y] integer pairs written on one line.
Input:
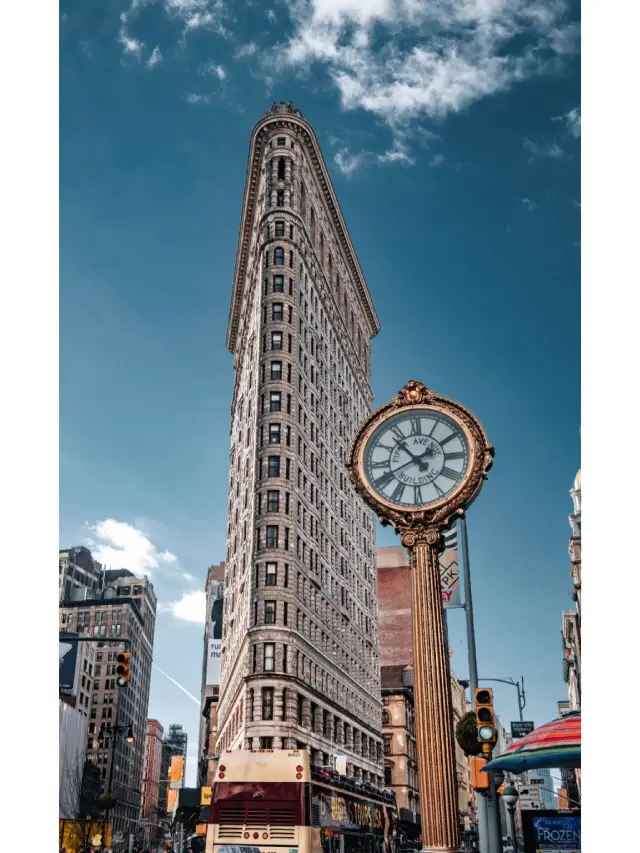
{"points": [[416, 459]]}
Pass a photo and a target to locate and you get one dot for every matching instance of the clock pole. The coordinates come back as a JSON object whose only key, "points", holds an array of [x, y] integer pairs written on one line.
{"points": [[421, 528], [432, 696]]}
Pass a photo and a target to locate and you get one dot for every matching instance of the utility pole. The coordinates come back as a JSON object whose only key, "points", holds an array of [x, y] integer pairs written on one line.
{"points": [[483, 826]]}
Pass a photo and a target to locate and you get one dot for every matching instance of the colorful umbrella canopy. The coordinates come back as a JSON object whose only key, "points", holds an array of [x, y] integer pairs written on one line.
{"points": [[556, 744]]}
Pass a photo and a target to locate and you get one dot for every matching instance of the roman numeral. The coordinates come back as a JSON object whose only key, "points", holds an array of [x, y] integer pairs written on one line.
{"points": [[416, 426], [386, 447], [448, 438], [384, 464], [437, 488], [381, 482], [417, 496], [395, 429], [456, 454], [397, 493], [450, 473]]}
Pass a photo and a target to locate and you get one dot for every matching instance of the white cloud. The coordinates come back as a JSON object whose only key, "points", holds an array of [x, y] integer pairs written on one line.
{"points": [[155, 58], [193, 98], [213, 68], [271, 15], [572, 121], [346, 162], [119, 545], [129, 44], [396, 154], [191, 607], [427, 58], [245, 50], [436, 160], [543, 149], [530, 205]]}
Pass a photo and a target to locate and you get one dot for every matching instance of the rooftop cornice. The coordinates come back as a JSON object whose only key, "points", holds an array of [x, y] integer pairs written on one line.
{"points": [[286, 116]]}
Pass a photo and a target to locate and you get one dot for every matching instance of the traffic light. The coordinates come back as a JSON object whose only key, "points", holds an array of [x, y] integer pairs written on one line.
{"points": [[479, 779], [487, 734], [123, 669]]}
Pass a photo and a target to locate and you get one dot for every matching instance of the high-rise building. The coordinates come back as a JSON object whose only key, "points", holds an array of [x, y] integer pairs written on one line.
{"points": [[77, 571], [211, 672], [571, 627], [163, 790], [176, 740], [122, 609], [151, 782], [300, 660]]}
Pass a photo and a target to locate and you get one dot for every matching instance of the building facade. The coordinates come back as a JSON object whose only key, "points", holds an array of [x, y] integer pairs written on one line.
{"points": [[300, 661], [123, 609], [176, 741], [210, 693], [72, 744], [151, 781], [571, 621], [77, 570]]}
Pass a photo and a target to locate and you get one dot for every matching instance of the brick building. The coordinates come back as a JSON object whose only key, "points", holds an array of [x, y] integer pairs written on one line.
{"points": [[394, 606], [151, 782], [300, 660]]}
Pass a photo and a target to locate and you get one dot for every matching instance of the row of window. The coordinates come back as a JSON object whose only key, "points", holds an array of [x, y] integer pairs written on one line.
{"points": [[277, 285], [278, 258], [276, 340], [277, 312]]}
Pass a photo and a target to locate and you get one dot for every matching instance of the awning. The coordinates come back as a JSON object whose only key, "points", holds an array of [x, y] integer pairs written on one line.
{"points": [[556, 744]]}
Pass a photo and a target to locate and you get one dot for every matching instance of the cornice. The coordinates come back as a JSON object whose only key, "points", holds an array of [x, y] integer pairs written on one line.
{"points": [[291, 120]]}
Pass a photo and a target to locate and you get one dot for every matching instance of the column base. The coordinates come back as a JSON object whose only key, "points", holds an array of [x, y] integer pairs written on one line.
{"points": [[441, 850]]}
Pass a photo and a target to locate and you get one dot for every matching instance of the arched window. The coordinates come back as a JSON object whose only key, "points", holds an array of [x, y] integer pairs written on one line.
{"points": [[278, 256], [388, 774], [386, 719], [281, 168]]}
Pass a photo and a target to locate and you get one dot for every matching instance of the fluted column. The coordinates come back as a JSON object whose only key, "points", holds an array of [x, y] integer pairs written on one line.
{"points": [[432, 691]]}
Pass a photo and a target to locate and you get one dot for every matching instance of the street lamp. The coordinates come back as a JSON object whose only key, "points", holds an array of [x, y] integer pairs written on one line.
{"points": [[510, 797], [113, 732]]}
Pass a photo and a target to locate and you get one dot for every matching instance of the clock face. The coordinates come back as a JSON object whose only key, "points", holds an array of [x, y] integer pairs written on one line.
{"points": [[416, 458]]}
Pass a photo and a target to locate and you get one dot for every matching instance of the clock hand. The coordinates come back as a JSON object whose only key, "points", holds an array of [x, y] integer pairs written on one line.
{"points": [[403, 446]]}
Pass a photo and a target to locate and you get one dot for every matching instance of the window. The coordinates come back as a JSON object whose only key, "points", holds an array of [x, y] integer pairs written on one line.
{"points": [[273, 466], [281, 141], [387, 744], [279, 228], [267, 704], [273, 500], [272, 574], [276, 340], [275, 401], [269, 657], [278, 256], [277, 312], [387, 775], [266, 743], [270, 612], [274, 433], [280, 198], [386, 720], [278, 284], [272, 536]]}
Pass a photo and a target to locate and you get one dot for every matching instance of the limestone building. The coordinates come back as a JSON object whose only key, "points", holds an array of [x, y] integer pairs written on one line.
{"points": [[300, 661]]}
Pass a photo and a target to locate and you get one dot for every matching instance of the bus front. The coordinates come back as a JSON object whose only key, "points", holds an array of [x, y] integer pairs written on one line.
{"points": [[260, 803]]}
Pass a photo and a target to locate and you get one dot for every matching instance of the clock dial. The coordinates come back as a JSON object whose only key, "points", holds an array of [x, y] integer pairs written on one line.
{"points": [[416, 458]]}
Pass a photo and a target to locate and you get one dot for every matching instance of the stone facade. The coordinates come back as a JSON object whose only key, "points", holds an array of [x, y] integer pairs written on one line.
{"points": [[125, 607], [300, 660], [151, 782]]}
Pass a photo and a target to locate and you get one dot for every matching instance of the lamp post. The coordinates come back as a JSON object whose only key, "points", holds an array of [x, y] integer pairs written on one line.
{"points": [[113, 732], [510, 797]]}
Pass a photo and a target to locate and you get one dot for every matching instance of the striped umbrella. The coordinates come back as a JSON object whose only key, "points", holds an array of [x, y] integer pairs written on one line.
{"points": [[556, 744]]}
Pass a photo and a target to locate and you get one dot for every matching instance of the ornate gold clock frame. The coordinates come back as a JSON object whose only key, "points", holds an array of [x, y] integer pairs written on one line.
{"points": [[421, 529]]}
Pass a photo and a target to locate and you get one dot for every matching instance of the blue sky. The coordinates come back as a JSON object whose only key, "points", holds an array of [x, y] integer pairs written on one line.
{"points": [[451, 132]]}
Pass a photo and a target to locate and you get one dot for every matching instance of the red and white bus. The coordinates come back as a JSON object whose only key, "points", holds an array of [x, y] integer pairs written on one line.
{"points": [[274, 801]]}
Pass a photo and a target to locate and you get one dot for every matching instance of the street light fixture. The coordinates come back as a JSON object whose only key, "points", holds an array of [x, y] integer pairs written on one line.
{"points": [[129, 737], [510, 797]]}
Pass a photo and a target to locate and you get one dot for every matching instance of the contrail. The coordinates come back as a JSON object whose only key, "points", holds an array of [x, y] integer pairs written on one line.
{"points": [[184, 689]]}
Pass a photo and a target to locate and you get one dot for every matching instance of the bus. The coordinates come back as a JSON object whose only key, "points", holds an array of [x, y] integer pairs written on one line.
{"points": [[275, 801]]}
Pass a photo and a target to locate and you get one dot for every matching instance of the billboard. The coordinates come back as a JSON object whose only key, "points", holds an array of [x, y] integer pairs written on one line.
{"points": [[176, 772], [214, 645], [551, 832], [68, 658], [449, 571]]}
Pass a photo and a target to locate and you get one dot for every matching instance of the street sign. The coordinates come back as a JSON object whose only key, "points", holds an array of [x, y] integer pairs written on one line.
{"points": [[529, 796], [522, 728]]}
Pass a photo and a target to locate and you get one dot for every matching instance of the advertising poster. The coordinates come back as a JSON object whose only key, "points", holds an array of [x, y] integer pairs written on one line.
{"points": [[214, 651], [176, 772], [68, 655], [551, 832], [449, 571]]}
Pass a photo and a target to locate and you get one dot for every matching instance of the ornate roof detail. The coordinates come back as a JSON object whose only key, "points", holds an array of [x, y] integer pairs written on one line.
{"points": [[282, 115]]}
